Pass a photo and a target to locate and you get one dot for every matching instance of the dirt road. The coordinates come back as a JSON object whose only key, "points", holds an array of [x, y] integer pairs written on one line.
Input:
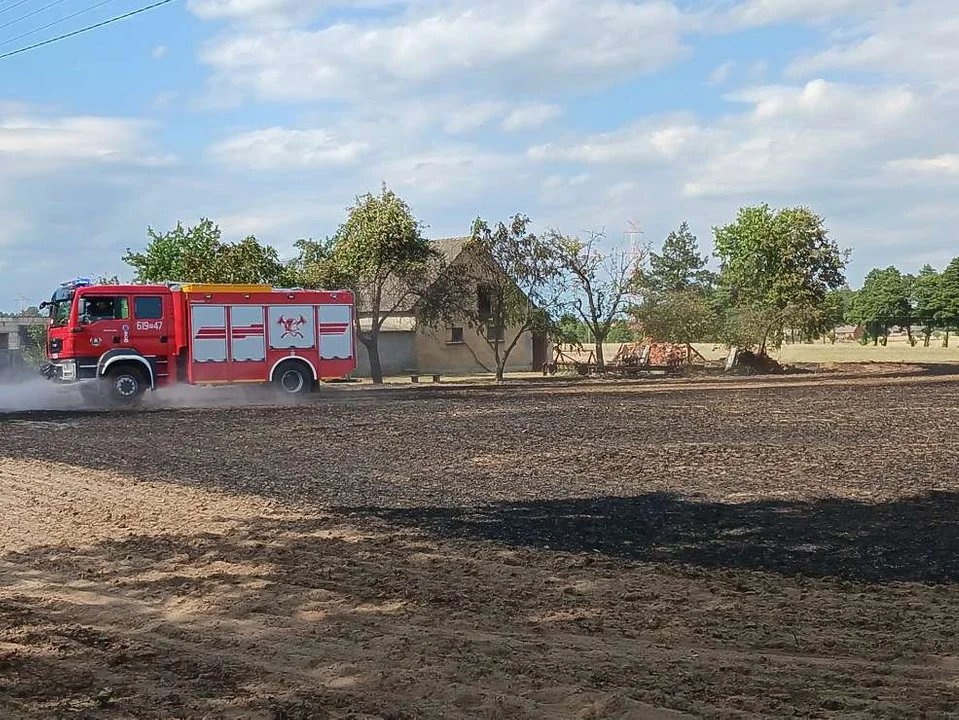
{"points": [[750, 549]]}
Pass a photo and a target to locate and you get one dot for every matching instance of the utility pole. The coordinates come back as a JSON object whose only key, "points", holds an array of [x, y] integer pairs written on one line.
{"points": [[633, 237]]}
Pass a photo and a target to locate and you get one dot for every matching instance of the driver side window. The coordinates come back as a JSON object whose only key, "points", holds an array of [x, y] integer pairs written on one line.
{"points": [[96, 308]]}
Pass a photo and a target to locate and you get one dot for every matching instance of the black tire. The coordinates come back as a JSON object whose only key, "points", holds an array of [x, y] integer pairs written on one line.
{"points": [[125, 385], [293, 379]]}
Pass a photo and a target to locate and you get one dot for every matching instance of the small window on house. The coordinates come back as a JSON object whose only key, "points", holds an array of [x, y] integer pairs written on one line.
{"points": [[148, 308], [484, 302], [494, 333], [456, 335]]}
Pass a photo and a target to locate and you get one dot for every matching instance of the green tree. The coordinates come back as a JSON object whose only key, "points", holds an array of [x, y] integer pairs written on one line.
{"points": [[677, 292], [198, 254], [315, 266], [34, 344], [519, 285], [181, 254], [948, 316], [777, 268], [882, 303], [622, 332], [927, 300], [678, 316], [838, 305], [249, 261], [599, 282], [570, 330], [679, 265], [381, 255]]}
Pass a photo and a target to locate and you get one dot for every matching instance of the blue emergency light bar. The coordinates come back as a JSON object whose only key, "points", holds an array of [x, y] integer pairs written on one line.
{"points": [[77, 282]]}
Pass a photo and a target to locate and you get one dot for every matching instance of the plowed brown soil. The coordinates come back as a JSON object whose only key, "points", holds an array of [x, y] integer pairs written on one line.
{"points": [[757, 548]]}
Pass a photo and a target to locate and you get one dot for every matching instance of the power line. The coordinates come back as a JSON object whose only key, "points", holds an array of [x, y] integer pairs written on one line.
{"points": [[31, 14], [86, 29], [15, 5], [55, 22]]}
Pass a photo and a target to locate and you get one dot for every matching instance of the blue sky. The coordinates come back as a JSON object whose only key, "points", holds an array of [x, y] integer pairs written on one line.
{"points": [[269, 116]]}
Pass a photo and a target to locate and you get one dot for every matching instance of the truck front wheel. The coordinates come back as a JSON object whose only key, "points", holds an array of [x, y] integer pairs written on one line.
{"points": [[125, 385]]}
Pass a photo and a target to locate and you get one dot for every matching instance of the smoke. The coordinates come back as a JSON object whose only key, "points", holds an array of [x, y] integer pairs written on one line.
{"points": [[191, 396], [38, 394]]}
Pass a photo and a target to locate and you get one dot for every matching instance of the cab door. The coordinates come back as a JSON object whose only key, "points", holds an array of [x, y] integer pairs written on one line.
{"points": [[103, 323], [151, 331]]}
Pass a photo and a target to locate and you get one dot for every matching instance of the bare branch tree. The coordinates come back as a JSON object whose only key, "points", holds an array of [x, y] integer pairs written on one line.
{"points": [[602, 281]]}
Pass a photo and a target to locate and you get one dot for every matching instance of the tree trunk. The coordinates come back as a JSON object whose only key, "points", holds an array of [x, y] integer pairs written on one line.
{"points": [[927, 332], [945, 339], [600, 360], [499, 360], [372, 344]]}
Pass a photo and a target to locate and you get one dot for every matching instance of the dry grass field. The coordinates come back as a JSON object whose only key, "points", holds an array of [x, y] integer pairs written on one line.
{"points": [[897, 351], [751, 547]]}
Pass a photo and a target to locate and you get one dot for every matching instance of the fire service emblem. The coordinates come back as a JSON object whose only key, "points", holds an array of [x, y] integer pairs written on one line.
{"points": [[291, 326]]}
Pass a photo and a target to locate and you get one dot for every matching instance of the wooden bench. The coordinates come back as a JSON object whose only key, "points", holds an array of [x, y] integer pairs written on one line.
{"points": [[415, 376]]}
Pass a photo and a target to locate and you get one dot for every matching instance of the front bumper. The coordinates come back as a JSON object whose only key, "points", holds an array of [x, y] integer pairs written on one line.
{"points": [[61, 371]]}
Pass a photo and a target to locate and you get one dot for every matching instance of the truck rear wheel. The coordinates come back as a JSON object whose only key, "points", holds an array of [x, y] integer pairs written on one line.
{"points": [[125, 385], [293, 379]]}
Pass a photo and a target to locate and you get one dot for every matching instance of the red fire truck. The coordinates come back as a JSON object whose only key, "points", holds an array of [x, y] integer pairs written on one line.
{"points": [[118, 341]]}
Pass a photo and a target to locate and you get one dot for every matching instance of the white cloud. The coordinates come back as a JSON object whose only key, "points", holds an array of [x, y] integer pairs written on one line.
{"points": [[280, 223], [64, 178], [917, 40], [58, 141], [275, 12], [461, 119], [804, 138], [934, 167], [159, 52], [534, 115], [279, 148], [721, 74], [648, 142], [755, 13], [526, 45], [450, 174], [164, 100], [789, 138], [845, 149]]}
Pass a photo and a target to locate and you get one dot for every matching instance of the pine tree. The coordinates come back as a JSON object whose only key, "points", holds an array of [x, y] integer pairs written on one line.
{"points": [[679, 266]]}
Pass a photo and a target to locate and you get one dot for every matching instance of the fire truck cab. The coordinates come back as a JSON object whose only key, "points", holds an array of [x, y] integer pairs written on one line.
{"points": [[118, 341]]}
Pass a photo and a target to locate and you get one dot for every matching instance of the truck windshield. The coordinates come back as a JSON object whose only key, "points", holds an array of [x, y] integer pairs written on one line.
{"points": [[60, 306]]}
